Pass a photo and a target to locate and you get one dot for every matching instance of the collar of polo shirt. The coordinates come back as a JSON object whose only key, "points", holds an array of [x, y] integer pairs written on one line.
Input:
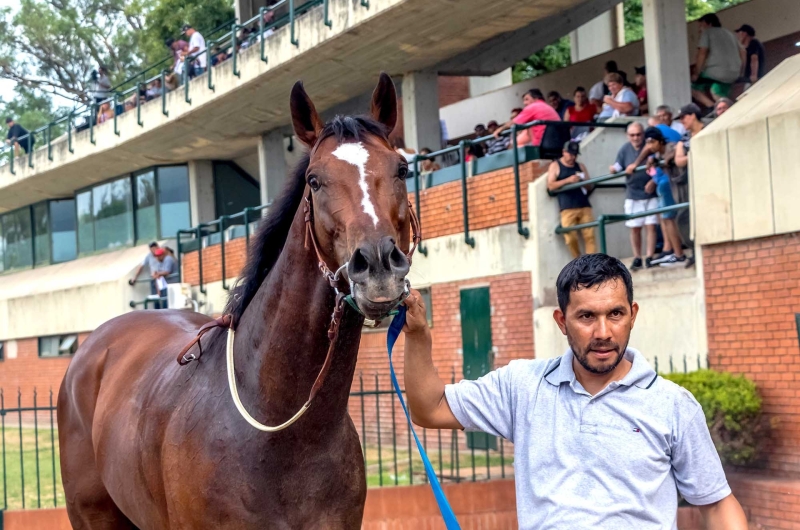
{"points": [[641, 374]]}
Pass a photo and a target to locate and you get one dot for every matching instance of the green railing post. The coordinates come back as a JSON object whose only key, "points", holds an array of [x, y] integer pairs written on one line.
{"points": [[164, 110], [521, 230], [114, 103], [49, 141], [246, 217], [69, 132], [221, 221], [291, 23], [30, 150], [236, 71], [36, 450], [11, 156], [365, 3], [92, 119], [378, 426], [139, 104], [326, 15], [462, 151], [3, 437], [601, 236], [53, 450], [209, 44], [422, 249], [261, 13], [186, 80], [200, 257], [21, 452]]}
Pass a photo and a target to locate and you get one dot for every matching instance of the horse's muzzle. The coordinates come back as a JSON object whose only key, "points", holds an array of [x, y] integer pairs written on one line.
{"points": [[377, 274]]}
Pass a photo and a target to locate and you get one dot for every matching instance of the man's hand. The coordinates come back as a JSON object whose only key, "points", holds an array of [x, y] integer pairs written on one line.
{"points": [[608, 100], [754, 78], [694, 77], [131, 281], [416, 316], [574, 179], [630, 169], [650, 187]]}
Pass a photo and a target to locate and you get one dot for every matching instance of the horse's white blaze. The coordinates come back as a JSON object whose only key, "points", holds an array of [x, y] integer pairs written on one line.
{"points": [[355, 153]]}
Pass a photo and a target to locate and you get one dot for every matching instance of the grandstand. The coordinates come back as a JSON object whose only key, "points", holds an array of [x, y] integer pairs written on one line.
{"points": [[197, 167]]}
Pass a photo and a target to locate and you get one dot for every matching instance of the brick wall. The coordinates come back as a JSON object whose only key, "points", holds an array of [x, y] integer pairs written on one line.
{"points": [[28, 371], [752, 296], [769, 503], [491, 199]]}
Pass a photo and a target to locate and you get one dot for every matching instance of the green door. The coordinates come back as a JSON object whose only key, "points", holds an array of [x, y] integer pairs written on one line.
{"points": [[476, 340]]}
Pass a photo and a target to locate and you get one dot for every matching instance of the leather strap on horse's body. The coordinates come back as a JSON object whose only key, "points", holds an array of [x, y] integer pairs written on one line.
{"points": [[184, 358]]}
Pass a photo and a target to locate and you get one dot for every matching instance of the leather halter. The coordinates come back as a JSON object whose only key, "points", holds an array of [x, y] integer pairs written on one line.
{"points": [[226, 321]]}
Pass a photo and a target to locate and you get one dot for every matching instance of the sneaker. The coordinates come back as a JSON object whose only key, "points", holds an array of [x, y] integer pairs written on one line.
{"points": [[690, 262], [674, 261], [661, 258], [636, 265], [648, 262]]}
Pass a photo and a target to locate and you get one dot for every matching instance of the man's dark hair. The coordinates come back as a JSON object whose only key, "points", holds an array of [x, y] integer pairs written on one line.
{"points": [[590, 270], [153, 244], [611, 66], [554, 94], [535, 93], [579, 89], [712, 20], [9, 119], [168, 42]]}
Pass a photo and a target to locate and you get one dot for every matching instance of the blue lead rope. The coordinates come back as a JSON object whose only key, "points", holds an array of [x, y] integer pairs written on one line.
{"points": [[444, 506]]}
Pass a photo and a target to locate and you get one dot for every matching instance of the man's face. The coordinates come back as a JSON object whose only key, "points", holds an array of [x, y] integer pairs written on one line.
{"points": [[527, 99], [654, 145], [664, 117], [514, 114], [598, 324], [614, 87], [554, 101], [153, 250], [480, 131], [688, 120], [568, 157], [160, 257], [636, 136], [580, 98], [722, 106], [742, 36], [492, 128]]}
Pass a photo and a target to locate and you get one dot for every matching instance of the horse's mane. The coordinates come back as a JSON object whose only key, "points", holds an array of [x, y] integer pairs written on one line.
{"points": [[268, 241]]}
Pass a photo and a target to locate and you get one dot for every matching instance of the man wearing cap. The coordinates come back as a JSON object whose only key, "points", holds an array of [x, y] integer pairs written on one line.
{"points": [[574, 204], [754, 54], [165, 267], [601, 441], [151, 262], [196, 44]]}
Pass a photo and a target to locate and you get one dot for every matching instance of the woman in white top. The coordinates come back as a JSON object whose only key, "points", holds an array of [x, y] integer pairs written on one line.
{"points": [[400, 146], [622, 101]]}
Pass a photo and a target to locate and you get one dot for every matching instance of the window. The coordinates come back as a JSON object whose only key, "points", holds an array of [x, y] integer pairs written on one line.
{"points": [[234, 189], [58, 346], [145, 206], [173, 200], [41, 234], [62, 228], [112, 210], [83, 203], [2, 351], [17, 239]]}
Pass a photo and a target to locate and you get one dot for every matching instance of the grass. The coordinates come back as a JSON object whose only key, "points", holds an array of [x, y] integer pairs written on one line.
{"points": [[41, 488], [463, 467]]}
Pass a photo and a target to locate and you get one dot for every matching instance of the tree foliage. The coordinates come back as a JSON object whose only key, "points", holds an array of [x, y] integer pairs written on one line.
{"points": [[30, 108], [550, 58], [634, 27]]}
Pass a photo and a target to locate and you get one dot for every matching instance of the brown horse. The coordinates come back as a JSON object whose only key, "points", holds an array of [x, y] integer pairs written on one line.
{"points": [[149, 444]]}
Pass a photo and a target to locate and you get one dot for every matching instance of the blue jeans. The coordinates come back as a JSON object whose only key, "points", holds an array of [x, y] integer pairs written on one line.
{"points": [[665, 198]]}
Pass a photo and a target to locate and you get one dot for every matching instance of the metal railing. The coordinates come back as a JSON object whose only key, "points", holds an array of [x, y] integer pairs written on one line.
{"points": [[607, 219], [118, 94]]}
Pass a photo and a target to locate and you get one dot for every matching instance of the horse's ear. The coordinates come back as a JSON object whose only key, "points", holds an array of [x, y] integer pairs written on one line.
{"points": [[307, 123], [384, 103]]}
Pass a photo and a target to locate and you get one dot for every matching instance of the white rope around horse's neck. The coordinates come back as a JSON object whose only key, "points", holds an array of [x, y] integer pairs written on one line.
{"points": [[238, 402]]}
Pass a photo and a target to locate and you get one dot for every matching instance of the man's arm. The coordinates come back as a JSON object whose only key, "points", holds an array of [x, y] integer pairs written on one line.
{"points": [[639, 161], [588, 187], [136, 274], [552, 175], [624, 107], [681, 157], [754, 68], [726, 514], [424, 388], [507, 125], [700, 62]]}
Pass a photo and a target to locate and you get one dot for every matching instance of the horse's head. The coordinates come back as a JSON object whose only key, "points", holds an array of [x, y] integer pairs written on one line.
{"points": [[358, 198]]}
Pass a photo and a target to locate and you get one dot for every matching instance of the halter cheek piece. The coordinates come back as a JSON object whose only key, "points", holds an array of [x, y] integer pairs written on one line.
{"points": [[226, 321]]}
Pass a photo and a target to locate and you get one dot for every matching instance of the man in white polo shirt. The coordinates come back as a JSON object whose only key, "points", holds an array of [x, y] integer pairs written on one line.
{"points": [[600, 440]]}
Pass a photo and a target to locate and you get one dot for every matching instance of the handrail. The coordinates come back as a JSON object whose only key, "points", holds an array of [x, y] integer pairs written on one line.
{"points": [[606, 219]]}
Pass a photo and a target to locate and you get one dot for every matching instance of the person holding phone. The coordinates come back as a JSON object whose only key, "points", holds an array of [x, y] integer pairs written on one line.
{"points": [[574, 204]]}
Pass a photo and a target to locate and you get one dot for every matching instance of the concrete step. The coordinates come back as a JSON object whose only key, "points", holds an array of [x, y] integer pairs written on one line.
{"points": [[660, 274]]}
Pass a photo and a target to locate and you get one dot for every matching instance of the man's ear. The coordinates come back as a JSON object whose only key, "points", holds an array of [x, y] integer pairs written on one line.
{"points": [[307, 123], [561, 320], [634, 312]]}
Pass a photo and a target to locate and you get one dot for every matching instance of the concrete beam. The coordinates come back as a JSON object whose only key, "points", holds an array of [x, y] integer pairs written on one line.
{"points": [[597, 36], [271, 165], [421, 110], [666, 53], [201, 191], [502, 51]]}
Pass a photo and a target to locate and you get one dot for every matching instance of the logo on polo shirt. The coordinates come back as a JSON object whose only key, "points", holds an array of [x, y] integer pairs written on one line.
{"points": [[637, 429]]}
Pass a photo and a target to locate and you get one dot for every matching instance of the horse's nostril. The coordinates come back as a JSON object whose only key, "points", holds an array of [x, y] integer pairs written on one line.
{"points": [[359, 266], [399, 262]]}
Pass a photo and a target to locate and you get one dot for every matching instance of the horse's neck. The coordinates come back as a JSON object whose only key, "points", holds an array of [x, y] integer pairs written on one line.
{"points": [[282, 340]]}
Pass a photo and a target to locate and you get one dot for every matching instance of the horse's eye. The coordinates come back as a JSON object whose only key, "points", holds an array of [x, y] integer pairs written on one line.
{"points": [[402, 172], [314, 183]]}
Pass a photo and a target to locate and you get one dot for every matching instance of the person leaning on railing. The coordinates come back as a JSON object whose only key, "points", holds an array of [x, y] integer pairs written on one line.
{"points": [[18, 136], [574, 204]]}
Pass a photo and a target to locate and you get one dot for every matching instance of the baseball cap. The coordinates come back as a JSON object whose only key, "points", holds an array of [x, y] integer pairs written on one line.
{"points": [[747, 28], [573, 148], [186, 27], [158, 252], [9, 119], [653, 133], [691, 108], [641, 70]]}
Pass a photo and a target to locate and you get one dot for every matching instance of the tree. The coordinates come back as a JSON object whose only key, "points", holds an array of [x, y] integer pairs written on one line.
{"points": [[634, 26], [550, 58], [30, 108]]}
